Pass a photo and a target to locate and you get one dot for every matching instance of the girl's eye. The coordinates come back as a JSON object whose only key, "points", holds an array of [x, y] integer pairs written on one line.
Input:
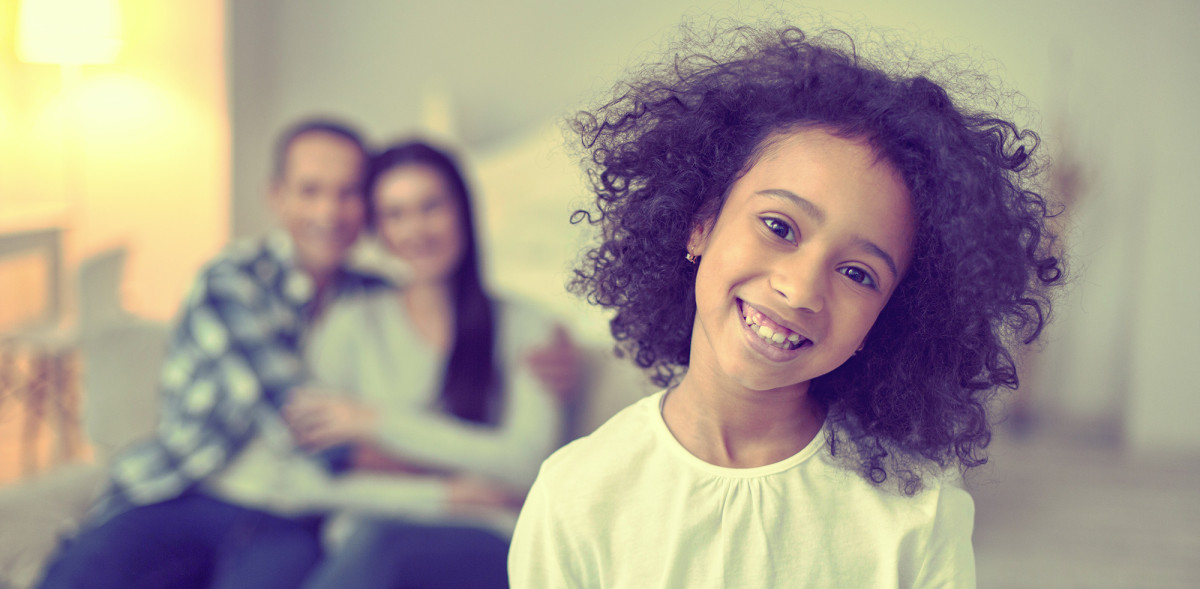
{"points": [[858, 275], [779, 228]]}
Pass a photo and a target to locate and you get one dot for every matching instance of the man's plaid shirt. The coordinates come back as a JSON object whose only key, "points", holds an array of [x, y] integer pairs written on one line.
{"points": [[236, 346]]}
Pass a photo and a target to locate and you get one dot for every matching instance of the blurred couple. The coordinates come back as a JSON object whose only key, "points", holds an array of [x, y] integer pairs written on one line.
{"points": [[324, 427]]}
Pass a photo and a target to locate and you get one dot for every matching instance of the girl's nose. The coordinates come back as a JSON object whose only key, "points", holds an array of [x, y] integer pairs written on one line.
{"points": [[801, 283]]}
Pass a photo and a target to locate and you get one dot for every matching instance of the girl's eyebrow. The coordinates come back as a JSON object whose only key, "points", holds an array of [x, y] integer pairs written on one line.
{"points": [[818, 215], [879, 253]]}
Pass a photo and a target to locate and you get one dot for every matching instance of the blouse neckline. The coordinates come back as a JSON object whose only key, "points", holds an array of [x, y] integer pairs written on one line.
{"points": [[766, 470]]}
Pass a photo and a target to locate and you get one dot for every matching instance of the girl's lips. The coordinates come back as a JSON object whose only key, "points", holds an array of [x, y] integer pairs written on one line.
{"points": [[773, 353], [761, 317], [770, 328]]}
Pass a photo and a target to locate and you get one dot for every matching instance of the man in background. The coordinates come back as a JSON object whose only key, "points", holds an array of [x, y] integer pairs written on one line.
{"points": [[235, 352]]}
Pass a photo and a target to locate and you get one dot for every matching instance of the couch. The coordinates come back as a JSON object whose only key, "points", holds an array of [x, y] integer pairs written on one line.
{"points": [[120, 368]]}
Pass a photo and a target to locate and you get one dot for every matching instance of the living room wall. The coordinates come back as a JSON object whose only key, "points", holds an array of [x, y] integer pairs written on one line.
{"points": [[1108, 89]]}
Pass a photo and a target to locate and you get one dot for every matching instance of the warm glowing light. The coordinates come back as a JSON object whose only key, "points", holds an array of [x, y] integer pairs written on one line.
{"points": [[120, 108], [68, 32]]}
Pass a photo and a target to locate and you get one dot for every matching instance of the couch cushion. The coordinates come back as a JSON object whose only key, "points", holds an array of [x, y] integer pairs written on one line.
{"points": [[37, 513]]}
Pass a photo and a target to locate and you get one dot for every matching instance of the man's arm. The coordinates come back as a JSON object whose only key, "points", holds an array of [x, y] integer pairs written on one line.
{"points": [[236, 346]]}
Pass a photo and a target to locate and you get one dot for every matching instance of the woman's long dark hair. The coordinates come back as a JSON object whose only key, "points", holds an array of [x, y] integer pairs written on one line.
{"points": [[471, 383]]}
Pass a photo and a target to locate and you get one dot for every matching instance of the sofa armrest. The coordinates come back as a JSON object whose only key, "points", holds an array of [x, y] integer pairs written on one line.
{"points": [[37, 513]]}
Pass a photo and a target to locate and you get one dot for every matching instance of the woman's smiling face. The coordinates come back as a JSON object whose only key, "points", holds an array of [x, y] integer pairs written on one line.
{"points": [[806, 251], [420, 221]]}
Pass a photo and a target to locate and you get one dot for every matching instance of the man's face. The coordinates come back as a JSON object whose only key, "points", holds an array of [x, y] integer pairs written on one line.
{"points": [[319, 199]]}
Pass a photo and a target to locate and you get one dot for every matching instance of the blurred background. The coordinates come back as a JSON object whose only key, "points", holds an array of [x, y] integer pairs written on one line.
{"points": [[134, 148]]}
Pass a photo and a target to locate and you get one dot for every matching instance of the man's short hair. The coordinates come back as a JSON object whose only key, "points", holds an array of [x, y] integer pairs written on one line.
{"points": [[315, 125]]}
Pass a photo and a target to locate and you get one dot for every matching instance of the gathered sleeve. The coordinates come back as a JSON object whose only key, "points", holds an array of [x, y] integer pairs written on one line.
{"points": [[543, 551], [949, 556]]}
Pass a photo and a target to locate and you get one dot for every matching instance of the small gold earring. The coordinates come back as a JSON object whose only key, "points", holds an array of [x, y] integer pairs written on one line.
{"points": [[692, 257]]}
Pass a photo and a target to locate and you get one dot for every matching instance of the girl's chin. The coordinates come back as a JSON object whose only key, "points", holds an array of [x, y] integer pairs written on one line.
{"points": [[754, 379]]}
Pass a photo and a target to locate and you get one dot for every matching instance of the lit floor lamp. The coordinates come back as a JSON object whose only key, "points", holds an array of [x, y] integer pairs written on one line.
{"points": [[69, 34]]}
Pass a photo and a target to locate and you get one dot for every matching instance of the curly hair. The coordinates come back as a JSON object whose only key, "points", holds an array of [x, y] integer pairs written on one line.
{"points": [[663, 154]]}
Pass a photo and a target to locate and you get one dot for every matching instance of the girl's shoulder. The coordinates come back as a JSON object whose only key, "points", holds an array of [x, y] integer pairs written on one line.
{"points": [[941, 501], [613, 450]]}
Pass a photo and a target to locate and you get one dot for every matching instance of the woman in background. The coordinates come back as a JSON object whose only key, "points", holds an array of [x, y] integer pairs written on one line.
{"points": [[443, 397]]}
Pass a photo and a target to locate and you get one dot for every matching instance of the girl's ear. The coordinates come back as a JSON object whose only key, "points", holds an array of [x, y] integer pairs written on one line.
{"points": [[698, 240]]}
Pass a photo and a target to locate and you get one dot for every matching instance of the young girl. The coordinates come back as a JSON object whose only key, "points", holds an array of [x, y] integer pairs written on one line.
{"points": [[826, 265]]}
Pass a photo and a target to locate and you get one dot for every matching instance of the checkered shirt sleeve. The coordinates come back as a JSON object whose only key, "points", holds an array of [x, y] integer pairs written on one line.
{"points": [[237, 345]]}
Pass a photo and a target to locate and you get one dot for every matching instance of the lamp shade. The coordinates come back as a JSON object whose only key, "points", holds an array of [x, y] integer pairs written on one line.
{"points": [[68, 32]]}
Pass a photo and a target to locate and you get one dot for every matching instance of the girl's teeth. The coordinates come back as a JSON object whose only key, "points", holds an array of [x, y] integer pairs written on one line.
{"points": [[770, 335]]}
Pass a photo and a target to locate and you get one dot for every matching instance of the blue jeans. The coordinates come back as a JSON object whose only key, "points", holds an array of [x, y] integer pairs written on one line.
{"points": [[398, 555], [193, 541]]}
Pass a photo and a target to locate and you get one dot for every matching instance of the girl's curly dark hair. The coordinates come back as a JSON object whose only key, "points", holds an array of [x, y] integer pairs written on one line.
{"points": [[664, 153]]}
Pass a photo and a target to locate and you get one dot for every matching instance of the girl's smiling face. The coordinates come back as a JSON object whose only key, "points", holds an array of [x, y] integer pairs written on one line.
{"points": [[806, 251]]}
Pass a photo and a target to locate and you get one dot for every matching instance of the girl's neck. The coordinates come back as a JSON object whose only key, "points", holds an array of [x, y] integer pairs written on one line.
{"points": [[732, 426], [430, 308]]}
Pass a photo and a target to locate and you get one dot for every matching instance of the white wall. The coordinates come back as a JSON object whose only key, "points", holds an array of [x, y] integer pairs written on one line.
{"points": [[1112, 82], [1165, 385]]}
